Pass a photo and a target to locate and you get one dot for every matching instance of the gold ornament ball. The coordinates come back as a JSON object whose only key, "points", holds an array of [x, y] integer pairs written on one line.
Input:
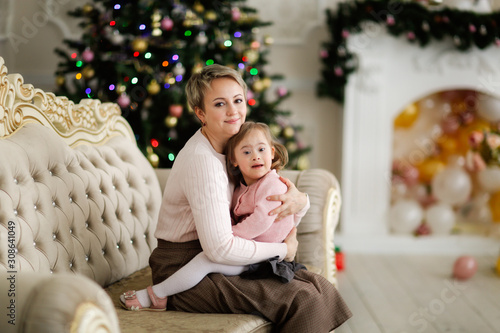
{"points": [[288, 132], [154, 160], [266, 82], [275, 129], [268, 40], [303, 163], [121, 88], [197, 68], [198, 7], [291, 147], [153, 87], [60, 80], [87, 9], [211, 15], [252, 56], [88, 72], [139, 45], [258, 86], [171, 121]]}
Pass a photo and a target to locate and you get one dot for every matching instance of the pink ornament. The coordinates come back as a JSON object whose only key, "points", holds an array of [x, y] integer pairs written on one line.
{"points": [[497, 41], [345, 33], [323, 54], [123, 100], [281, 91], [464, 268], [175, 110], [167, 24], [390, 20], [472, 28], [338, 71], [250, 94], [411, 35], [235, 14], [88, 55]]}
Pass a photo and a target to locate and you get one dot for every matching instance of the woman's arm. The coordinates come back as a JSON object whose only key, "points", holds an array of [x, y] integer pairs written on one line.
{"points": [[255, 209], [207, 190], [293, 201]]}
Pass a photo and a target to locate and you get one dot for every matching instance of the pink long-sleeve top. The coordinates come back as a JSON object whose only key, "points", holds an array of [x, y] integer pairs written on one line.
{"points": [[250, 211], [196, 205]]}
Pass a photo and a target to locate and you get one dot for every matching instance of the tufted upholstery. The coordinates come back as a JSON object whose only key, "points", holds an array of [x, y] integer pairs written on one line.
{"points": [[45, 186]]}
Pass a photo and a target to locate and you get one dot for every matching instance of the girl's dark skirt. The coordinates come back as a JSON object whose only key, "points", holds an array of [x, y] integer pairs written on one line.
{"points": [[308, 303]]}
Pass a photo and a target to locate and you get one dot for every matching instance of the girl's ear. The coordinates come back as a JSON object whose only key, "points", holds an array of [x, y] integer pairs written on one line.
{"points": [[272, 152]]}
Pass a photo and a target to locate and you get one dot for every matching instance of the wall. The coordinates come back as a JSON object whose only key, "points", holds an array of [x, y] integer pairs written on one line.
{"points": [[30, 30]]}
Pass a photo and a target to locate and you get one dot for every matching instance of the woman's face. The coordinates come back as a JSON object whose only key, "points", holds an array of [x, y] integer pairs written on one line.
{"points": [[224, 111]]}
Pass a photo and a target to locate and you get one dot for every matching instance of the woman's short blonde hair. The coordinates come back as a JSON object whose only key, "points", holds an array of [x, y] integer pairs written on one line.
{"points": [[200, 82], [280, 153]]}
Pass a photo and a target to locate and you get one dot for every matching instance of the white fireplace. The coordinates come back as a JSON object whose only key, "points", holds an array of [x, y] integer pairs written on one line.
{"points": [[392, 73]]}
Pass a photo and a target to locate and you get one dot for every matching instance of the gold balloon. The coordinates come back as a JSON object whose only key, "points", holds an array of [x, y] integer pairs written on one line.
{"points": [[429, 168], [448, 146], [494, 204], [407, 117]]}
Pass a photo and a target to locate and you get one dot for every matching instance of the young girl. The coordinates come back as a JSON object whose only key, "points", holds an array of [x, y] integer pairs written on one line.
{"points": [[252, 158]]}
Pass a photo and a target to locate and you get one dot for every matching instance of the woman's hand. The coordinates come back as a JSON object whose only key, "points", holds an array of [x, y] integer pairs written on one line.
{"points": [[291, 244], [291, 202]]}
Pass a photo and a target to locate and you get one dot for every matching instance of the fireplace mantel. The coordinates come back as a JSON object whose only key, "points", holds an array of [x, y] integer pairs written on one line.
{"points": [[392, 73]]}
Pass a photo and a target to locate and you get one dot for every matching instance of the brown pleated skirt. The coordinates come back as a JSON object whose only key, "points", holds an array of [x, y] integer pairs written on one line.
{"points": [[308, 303]]}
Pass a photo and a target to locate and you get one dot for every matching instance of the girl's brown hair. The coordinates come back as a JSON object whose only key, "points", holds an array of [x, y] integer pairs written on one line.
{"points": [[280, 153]]}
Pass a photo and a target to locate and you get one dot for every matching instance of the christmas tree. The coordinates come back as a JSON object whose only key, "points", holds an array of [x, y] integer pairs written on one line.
{"points": [[141, 53]]}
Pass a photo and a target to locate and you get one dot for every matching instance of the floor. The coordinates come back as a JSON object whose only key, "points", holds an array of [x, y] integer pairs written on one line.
{"points": [[416, 293]]}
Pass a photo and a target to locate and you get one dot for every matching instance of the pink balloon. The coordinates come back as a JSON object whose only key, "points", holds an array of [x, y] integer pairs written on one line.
{"points": [[464, 268]]}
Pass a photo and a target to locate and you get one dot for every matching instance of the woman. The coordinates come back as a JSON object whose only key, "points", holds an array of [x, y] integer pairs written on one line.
{"points": [[195, 216]]}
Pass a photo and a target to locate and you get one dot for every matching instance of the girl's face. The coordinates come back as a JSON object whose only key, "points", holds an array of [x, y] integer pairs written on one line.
{"points": [[224, 111], [254, 156]]}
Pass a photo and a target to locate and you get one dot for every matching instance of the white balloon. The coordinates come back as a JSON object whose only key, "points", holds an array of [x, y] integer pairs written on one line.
{"points": [[489, 178], [488, 107], [440, 218], [452, 186], [405, 216]]}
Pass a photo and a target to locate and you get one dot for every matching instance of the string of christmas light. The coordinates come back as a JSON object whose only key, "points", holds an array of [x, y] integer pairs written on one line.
{"points": [[140, 54]]}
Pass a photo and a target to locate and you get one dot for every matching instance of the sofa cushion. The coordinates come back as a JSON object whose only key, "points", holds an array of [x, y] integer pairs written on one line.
{"points": [[90, 209]]}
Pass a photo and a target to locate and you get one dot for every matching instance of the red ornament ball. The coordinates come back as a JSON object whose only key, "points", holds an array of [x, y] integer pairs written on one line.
{"points": [[464, 268]]}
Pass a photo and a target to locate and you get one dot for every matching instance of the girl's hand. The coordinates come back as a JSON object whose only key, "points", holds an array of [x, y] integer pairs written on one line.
{"points": [[291, 202], [291, 244]]}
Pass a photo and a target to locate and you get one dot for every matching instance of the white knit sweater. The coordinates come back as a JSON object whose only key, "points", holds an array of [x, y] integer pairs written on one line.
{"points": [[196, 205]]}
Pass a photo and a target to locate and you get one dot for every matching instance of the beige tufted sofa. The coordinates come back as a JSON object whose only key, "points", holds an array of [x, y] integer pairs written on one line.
{"points": [[78, 209]]}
